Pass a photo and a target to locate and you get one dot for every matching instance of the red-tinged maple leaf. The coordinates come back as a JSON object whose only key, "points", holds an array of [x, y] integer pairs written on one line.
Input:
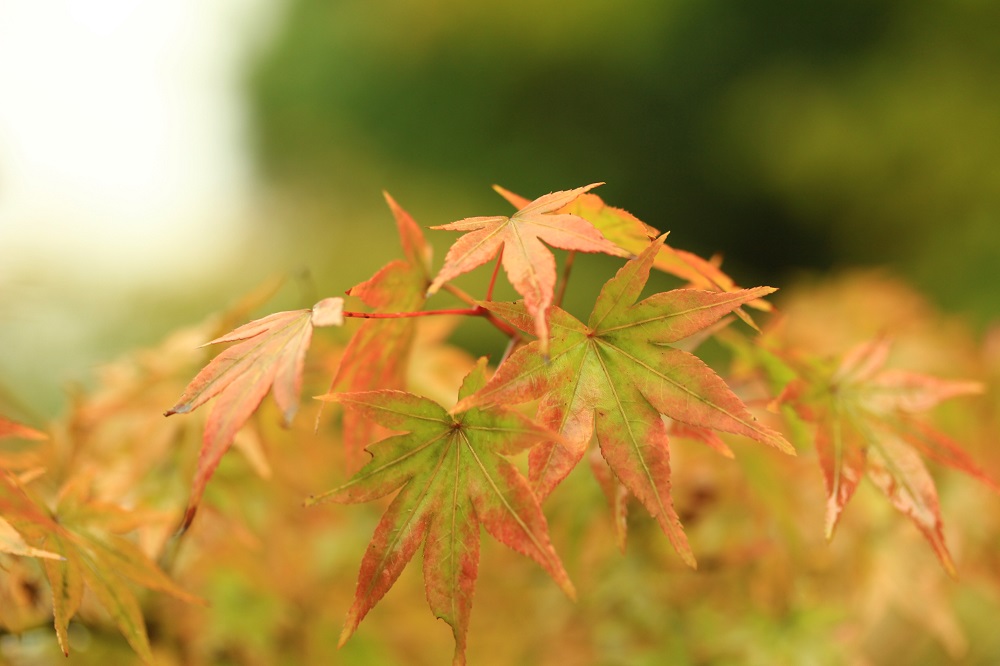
{"points": [[521, 238], [630, 233], [868, 424], [616, 375], [377, 355], [10, 428], [453, 477], [617, 494], [270, 354]]}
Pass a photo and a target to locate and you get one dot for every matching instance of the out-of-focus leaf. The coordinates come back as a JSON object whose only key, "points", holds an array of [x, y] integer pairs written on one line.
{"points": [[10, 428], [868, 422], [12, 542], [96, 558]]}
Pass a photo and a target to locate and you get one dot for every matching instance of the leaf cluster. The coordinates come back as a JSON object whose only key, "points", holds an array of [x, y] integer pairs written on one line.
{"points": [[459, 444]]}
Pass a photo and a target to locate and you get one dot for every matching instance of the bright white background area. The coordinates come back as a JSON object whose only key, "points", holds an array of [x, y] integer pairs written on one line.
{"points": [[122, 132], [124, 162]]}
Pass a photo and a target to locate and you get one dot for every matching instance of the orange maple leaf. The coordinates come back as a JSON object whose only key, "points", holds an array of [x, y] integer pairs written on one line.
{"points": [[630, 233], [271, 352], [529, 265]]}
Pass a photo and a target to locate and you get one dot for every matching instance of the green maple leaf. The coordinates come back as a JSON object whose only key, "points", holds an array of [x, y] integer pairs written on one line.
{"points": [[452, 477], [616, 375]]}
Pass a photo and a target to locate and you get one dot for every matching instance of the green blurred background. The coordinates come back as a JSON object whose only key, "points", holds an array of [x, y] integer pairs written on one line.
{"points": [[784, 135]]}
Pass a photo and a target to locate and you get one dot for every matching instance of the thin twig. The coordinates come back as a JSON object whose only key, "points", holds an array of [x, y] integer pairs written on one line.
{"points": [[493, 278], [567, 267], [475, 311]]}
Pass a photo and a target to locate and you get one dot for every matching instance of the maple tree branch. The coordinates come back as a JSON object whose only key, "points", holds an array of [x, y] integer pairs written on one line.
{"points": [[493, 278], [475, 311], [463, 296], [567, 267], [418, 313]]}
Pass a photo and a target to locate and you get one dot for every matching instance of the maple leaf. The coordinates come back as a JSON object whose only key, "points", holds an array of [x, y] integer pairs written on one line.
{"points": [[83, 547], [19, 509], [453, 478], [529, 265], [10, 428], [616, 375], [632, 234], [13, 543], [107, 564], [270, 353], [14, 504], [377, 354], [867, 423]]}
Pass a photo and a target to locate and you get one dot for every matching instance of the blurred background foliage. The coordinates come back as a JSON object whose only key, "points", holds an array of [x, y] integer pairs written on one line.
{"points": [[785, 135], [797, 139], [789, 137]]}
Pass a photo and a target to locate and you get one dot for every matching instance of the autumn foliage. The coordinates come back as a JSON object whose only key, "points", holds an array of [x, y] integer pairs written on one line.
{"points": [[113, 500]]}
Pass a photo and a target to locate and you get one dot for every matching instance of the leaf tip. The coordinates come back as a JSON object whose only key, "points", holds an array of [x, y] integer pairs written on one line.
{"points": [[568, 587], [941, 550], [313, 500], [346, 633], [328, 312], [949, 566], [779, 442], [178, 409], [189, 515]]}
